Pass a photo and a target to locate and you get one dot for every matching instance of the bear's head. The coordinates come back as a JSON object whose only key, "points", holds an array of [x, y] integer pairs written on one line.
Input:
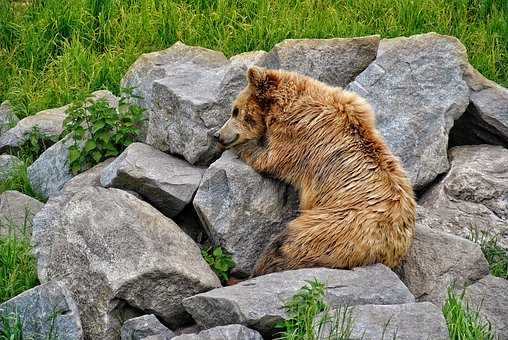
{"points": [[248, 119]]}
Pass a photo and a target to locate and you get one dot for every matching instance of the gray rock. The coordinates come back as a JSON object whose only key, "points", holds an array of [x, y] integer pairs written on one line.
{"points": [[188, 91], [410, 321], [486, 118], [473, 197], [241, 210], [8, 164], [490, 297], [47, 311], [143, 327], [417, 90], [118, 255], [49, 173], [168, 183], [16, 212], [229, 332], [333, 61], [7, 117], [258, 303], [437, 260], [89, 178]]}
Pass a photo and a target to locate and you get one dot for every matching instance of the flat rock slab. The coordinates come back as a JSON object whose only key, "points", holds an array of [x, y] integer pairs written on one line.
{"points": [[7, 117], [118, 255], [166, 182], [229, 332], [258, 303], [145, 326], [438, 259], [490, 297], [188, 90], [47, 312], [242, 210], [8, 164], [16, 212], [417, 90], [410, 321], [472, 199]]}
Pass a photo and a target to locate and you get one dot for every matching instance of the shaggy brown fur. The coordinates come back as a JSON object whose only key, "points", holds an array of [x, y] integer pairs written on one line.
{"points": [[357, 205]]}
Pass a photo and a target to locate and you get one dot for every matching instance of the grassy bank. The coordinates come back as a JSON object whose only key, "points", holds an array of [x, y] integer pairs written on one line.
{"points": [[54, 51]]}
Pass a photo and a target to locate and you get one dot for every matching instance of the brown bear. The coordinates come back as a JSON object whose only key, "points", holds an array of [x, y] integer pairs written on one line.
{"points": [[357, 206]]}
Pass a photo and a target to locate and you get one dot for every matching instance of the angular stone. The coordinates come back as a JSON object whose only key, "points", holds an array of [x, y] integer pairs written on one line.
{"points": [[166, 182], [118, 255], [437, 260], [7, 117], [333, 61], [490, 297], [259, 302], [241, 210], [410, 321], [229, 332], [8, 164], [16, 212], [49, 173], [144, 326], [89, 178], [486, 118], [417, 90], [473, 197], [47, 312]]}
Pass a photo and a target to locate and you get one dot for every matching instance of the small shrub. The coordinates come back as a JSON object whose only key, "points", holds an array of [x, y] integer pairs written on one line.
{"points": [[17, 266], [220, 262], [100, 131], [496, 255], [304, 322], [463, 322], [35, 144]]}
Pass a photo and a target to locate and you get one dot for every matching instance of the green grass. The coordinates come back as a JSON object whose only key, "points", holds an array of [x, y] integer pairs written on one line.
{"points": [[18, 180], [53, 51], [464, 322], [496, 256], [17, 266], [11, 327], [310, 318]]}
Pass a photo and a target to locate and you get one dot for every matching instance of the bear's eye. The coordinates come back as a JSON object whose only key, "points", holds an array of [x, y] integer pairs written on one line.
{"points": [[235, 112]]}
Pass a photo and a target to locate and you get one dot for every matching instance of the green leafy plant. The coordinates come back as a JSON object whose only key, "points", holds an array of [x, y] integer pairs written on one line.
{"points": [[100, 131], [496, 256], [36, 142], [310, 318], [220, 262], [465, 323]]}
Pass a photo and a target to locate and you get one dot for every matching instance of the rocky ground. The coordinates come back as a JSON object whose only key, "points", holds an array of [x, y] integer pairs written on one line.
{"points": [[118, 246]]}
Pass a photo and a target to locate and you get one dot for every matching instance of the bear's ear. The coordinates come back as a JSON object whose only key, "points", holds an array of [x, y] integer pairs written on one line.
{"points": [[262, 79]]}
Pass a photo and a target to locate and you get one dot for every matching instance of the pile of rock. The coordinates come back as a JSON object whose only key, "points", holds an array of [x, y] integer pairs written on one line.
{"points": [[117, 246]]}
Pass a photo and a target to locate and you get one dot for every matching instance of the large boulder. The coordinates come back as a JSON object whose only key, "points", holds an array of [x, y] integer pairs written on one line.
{"points": [[333, 61], [241, 210], [8, 164], [166, 182], [144, 326], [188, 90], [486, 118], [437, 260], [259, 302], [489, 296], [118, 255], [229, 332], [47, 311], [472, 198], [7, 117], [410, 321], [88, 178], [417, 90], [16, 213]]}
